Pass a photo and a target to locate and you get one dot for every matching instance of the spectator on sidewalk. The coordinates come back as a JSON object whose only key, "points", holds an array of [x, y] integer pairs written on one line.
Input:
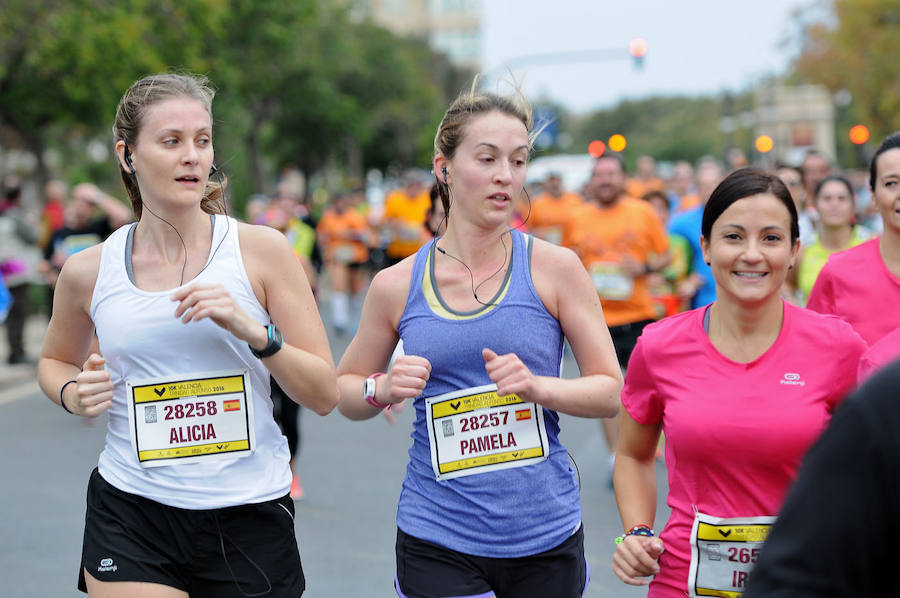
{"points": [[18, 259], [83, 227]]}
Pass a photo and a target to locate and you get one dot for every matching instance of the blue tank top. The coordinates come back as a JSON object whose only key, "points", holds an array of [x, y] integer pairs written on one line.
{"points": [[506, 513]]}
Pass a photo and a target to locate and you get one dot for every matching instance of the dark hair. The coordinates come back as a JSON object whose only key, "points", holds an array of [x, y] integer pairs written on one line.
{"points": [[612, 156], [434, 194], [747, 182], [12, 189], [890, 142], [469, 104], [834, 178], [655, 194], [133, 106]]}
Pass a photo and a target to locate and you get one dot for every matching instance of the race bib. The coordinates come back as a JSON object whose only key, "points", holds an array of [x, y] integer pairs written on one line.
{"points": [[611, 281], [723, 551], [189, 418], [476, 431]]}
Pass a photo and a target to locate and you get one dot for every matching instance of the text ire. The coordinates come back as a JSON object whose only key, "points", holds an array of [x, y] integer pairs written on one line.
{"points": [[490, 442], [192, 433]]}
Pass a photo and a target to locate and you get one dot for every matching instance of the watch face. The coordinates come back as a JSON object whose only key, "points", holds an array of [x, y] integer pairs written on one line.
{"points": [[369, 388]]}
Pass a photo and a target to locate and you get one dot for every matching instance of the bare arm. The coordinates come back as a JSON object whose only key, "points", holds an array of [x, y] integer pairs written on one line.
{"points": [[566, 290], [370, 350], [117, 212], [304, 366], [68, 341], [635, 485], [658, 262]]}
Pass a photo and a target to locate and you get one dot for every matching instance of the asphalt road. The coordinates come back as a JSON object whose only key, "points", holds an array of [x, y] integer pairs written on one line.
{"points": [[351, 471]]}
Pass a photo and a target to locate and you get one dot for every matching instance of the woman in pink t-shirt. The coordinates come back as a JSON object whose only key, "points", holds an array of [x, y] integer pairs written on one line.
{"points": [[879, 355], [741, 389], [862, 284]]}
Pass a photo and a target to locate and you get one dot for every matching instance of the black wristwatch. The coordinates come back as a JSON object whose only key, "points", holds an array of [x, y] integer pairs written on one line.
{"points": [[273, 346]]}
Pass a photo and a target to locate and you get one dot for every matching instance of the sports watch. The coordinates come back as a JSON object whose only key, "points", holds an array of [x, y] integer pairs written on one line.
{"points": [[273, 346], [369, 392]]}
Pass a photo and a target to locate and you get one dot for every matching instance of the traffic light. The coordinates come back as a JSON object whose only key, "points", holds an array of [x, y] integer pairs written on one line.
{"points": [[859, 134], [596, 148], [638, 49]]}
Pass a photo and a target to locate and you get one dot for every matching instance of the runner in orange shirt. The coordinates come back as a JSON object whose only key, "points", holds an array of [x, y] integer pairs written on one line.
{"points": [[404, 217], [552, 211], [644, 179], [342, 233], [620, 241]]}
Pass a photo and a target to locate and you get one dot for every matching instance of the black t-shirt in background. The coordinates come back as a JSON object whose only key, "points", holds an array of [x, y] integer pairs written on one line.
{"points": [[838, 532]]}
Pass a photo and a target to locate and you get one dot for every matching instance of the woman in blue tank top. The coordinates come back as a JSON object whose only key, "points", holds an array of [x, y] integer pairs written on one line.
{"points": [[490, 504]]}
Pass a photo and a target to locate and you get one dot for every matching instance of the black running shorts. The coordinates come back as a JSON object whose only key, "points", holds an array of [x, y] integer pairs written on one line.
{"points": [[426, 570], [222, 553]]}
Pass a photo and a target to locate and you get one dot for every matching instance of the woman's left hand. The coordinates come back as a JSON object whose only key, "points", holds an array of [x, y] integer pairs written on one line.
{"points": [[213, 301], [511, 375]]}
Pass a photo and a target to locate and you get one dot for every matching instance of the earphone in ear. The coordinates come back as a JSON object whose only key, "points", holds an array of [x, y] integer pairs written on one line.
{"points": [[128, 161], [444, 171], [212, 169]]}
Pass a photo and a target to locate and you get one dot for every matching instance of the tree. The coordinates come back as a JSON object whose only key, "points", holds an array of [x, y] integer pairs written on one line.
{"points": [[68, 61], [667, 128], [855, 48]]}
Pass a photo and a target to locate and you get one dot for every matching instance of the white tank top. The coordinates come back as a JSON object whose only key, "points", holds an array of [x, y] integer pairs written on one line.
{"points": [[141, 338]]}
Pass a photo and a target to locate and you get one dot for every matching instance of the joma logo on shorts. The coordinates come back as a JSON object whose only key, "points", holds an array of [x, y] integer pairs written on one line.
{"points": [[107, 565]]}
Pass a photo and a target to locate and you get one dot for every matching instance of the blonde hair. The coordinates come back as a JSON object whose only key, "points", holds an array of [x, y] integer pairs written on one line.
{"points": [[133, 106], [467, 105]]}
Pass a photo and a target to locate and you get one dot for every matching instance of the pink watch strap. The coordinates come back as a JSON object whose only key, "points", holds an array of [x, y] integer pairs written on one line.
{"points": [[370, 399]]}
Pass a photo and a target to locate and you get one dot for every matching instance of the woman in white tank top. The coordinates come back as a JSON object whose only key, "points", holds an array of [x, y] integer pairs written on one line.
{"points": [[193, 311]]}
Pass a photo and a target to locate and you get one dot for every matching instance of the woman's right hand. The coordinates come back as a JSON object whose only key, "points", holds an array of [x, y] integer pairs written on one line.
{"points": [[636, 559], [94, 392], [406, 379]]}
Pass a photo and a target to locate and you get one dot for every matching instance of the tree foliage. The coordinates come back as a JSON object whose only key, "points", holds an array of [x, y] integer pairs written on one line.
{"points": [[667, 128], [856, 49], [299, 82], [66, 62]]}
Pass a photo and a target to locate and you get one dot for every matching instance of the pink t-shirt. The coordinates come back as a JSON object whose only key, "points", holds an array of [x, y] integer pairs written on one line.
{"points": [[735, 432], [879, 355], [856, 285]]}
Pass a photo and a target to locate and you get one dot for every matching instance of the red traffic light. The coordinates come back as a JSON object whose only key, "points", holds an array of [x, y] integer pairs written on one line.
{"points": [[596, 148]]}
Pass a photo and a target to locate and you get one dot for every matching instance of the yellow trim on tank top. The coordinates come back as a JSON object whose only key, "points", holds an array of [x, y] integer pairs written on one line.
{"points": [[437, 307]]}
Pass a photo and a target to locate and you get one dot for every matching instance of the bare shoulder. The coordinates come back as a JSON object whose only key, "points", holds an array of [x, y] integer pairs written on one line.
{"points": [[261, 240], [390, 287], [79, 272], [557, 275], [554, 262]]}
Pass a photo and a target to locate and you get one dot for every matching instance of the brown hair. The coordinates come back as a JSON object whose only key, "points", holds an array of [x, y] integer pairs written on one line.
{"points": [[145, 93], [474, 103]]}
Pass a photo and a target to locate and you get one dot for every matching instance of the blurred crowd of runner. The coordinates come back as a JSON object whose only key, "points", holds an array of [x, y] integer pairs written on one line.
{"points": [[346, 235]]}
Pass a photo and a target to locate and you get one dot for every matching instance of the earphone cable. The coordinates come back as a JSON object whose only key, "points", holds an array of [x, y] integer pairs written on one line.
{"points": [[472, 276], [180, 238]]}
